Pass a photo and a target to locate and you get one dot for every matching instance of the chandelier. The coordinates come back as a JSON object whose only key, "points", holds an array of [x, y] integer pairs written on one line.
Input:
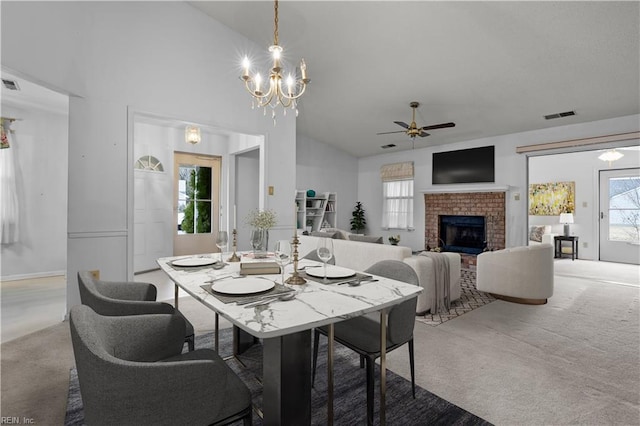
{"points": [[271, 92]]}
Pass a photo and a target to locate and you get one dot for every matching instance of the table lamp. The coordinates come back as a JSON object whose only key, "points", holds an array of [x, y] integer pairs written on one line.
{"points": [[566, 219]]}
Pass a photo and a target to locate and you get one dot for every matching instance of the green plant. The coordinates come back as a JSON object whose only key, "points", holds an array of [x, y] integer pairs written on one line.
{"points": [[394, 239], [358, 221]]}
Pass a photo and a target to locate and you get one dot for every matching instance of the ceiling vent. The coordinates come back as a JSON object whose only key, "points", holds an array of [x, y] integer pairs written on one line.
{"points": [[10, 84], [559, 115], [391, 145]]}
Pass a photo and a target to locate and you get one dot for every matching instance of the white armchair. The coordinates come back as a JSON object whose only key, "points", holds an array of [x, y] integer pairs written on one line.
{"points": [[541, 235], [519, 274]]}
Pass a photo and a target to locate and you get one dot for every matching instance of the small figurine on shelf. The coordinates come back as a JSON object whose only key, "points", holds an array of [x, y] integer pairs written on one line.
{"points": [[394, 240]]}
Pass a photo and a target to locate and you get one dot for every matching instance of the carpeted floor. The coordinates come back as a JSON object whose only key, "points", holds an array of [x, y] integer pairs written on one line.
{"points": [[470, 299], [349, 388]]}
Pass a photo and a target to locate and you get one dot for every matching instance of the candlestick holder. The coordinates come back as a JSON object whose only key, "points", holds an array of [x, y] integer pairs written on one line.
{"points": [[295, 278], [234, 257]]}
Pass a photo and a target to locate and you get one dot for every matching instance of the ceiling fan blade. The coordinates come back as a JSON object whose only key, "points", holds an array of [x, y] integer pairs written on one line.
{"points": [[400, 123], [423, 134], [388, 133], [439, 126]]}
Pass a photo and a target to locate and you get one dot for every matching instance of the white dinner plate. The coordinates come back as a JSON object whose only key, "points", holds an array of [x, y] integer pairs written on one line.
{"points": [[332, 272], [194, 261], [242, 286]]}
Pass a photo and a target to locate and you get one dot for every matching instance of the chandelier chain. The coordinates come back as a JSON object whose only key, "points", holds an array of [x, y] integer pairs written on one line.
{"points": [[275, 21]]}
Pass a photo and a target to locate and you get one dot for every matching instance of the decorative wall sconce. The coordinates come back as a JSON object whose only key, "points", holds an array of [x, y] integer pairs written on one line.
{"points": [[192, 135]]}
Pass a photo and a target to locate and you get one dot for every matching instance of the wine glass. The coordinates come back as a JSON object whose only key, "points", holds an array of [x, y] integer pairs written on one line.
{"points": [[221, 241], [256, 240], [283, 255], [325, 252]]}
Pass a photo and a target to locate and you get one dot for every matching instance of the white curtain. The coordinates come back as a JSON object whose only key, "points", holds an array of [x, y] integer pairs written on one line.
{"points": [[398, 204], [8, 193]]}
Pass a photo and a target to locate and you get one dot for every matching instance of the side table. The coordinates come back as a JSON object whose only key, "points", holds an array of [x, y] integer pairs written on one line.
{"points": [[558, 239]]}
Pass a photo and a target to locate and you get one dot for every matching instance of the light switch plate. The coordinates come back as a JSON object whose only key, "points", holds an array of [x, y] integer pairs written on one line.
{"points": [[270, 190]]}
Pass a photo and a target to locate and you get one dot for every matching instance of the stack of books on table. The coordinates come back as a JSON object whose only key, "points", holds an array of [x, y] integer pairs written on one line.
{"points": [[259, 268]]}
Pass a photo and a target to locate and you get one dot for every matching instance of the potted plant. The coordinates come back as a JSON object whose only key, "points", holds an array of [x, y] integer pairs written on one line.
{"points": [[358, 221], [394, 240]]}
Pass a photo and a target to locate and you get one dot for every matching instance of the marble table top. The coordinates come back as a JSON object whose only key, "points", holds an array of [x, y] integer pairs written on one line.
{"points": [[315, 304]]}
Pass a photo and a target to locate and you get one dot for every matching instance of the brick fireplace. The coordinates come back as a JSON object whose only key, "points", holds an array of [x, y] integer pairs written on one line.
{"points": [[491, 205]]}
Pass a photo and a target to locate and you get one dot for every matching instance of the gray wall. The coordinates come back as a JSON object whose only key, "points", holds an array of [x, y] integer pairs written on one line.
{"points": [[325, 168], [165, 58], [40, 153], [511, 171]]}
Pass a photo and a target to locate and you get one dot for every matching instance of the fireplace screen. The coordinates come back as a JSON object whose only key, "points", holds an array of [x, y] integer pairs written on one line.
{"points": [[463, 234]]}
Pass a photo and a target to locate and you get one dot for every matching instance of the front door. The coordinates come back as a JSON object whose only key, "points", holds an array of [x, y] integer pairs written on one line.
{"points": [[620, 215], [197, 207]]}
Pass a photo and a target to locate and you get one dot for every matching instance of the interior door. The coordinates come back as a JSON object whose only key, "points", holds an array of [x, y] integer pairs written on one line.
{"points": [[620, 215], [197, 206]]}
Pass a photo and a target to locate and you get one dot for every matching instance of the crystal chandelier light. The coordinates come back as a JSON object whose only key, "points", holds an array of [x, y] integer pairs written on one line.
{"points": [[274, 91]]}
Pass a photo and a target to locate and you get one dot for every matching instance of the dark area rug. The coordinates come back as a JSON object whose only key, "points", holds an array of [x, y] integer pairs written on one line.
{"points": [[349, 391]]}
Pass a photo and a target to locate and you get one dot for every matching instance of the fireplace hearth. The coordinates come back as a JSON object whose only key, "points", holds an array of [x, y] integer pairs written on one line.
{"points": [[462, 233]]}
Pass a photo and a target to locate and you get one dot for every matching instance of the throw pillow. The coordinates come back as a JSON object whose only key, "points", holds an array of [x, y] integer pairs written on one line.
{"points": [[536, 233], [323, 234], [366, 238]]}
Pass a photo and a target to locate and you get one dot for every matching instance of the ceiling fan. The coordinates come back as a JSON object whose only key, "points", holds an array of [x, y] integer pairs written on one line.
{"points": [[413, 130]]}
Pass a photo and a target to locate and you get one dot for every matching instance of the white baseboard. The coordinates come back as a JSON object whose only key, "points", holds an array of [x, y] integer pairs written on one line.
{"points": [[32, 276]]}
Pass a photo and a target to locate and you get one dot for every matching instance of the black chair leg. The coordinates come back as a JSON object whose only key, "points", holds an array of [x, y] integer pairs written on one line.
{"points": [[413, 369], [371, 366], [316, 341], [191, 341], [361, 361]]}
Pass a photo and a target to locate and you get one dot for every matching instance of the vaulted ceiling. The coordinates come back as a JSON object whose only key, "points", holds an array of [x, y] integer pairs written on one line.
{"points": [[493, 68]]}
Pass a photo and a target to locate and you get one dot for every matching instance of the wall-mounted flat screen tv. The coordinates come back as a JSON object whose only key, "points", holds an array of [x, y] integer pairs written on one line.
{"points": [[474, 165]]}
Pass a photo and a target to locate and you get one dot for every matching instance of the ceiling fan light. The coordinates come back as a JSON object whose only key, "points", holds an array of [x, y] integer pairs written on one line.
{"points": [[610, 156]]}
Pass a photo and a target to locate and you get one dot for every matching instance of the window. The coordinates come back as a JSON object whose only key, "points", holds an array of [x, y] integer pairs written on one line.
{"points": [[397, 196], [194, 199], [624, 209], [149, 162]]}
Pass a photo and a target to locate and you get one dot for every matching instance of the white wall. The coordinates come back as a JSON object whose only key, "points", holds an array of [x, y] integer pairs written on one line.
{"points": [[247, 167], [583, 169], [325, 168], [40, 152], [511, 171], [165, 58]]}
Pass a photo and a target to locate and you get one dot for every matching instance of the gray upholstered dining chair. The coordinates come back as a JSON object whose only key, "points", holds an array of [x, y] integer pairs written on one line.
{"points": [[115, 298], [132, 371], [362, 334]]}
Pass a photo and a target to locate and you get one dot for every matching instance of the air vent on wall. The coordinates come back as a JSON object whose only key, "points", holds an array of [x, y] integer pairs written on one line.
{"points": [[10, 84], [391, 145], [559, 115]]}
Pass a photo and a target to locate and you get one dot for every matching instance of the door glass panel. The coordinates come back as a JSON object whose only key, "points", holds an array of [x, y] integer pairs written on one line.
{"points": [[194, 199], [624, 209]]}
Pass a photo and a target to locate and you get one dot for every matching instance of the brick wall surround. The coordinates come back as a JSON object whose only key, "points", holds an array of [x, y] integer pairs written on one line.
{"points": [[488, 204]]}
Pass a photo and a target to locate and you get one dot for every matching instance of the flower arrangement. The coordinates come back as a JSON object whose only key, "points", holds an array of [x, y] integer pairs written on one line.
{"points": [[261, 219], [394, 239]]}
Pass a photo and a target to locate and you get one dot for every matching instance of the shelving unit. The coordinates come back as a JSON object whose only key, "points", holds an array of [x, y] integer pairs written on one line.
{"points": [[315, 213]]}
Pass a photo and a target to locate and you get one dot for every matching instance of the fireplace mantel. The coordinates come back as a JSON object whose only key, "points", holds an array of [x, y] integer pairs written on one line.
{"points": [[466, 188]]}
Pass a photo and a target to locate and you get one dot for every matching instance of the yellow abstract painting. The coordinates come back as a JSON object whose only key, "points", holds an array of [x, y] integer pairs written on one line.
{"points": [[551, 199]]}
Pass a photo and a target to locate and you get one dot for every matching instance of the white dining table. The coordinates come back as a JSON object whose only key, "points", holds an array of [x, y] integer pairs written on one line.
{"points": [[285, 327]]}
